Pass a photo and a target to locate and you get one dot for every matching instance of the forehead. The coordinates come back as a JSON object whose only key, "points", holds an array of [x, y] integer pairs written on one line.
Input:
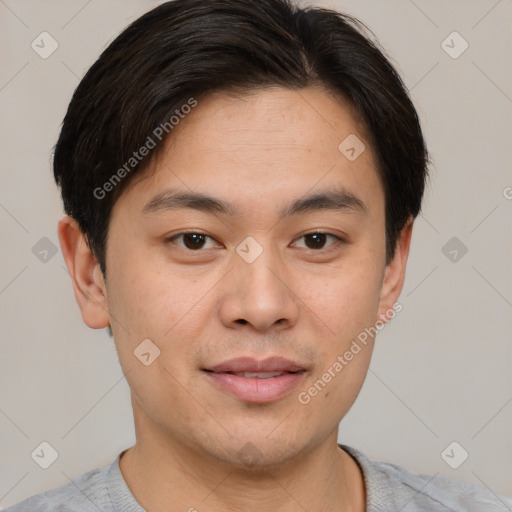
{"points": [[282, 119], [270, 144]]}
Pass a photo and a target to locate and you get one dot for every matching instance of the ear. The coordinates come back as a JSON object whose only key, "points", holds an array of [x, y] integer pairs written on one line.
{"points": [[394, 274], [86, 276]]}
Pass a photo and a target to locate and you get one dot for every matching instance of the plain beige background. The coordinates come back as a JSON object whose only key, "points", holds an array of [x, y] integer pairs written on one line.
{"points": [[441, 369]]}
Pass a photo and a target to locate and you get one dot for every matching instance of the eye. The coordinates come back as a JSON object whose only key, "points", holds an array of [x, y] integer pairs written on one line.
{"points": [[317, 240], [191, 241]]}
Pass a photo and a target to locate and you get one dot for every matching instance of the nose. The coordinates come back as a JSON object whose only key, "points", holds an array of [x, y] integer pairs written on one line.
{"points": [[260, 294]]}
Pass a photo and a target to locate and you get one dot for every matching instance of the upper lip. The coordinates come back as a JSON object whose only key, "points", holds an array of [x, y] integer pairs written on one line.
{"points": [[250, 364]]}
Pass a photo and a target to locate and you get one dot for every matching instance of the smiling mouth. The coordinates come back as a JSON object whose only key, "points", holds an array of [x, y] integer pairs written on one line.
{"points": [[256, 387]]}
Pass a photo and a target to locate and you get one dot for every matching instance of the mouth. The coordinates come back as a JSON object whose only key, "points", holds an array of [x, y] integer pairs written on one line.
{"points": [[254, 375], [254, 381]]}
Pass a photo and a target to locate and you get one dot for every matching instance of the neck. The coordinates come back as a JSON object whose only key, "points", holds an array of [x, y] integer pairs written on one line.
{"points": [[166, 475]]}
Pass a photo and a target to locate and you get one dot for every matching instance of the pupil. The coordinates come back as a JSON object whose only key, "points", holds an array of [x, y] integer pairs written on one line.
{"points": [[318, 240], [194, 240]]}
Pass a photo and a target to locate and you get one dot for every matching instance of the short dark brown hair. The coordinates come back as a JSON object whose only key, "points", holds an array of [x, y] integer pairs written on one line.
{"points": [[183, 50]]}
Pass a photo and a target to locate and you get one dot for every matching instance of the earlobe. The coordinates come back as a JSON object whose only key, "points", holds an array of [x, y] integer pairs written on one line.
{"points": [[394, 275], [86, 275]]}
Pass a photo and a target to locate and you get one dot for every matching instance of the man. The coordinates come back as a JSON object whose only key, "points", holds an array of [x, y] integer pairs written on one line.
{"points": [[240, 180]]}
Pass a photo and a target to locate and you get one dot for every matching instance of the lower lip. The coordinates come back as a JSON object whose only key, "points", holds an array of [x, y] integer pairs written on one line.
{"points": [[257, 390]]}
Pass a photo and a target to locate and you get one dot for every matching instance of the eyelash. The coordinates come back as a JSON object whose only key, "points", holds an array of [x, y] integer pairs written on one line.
{"points": [[338, 240]]}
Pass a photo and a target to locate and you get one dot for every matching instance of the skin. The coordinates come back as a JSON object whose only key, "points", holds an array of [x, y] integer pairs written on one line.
{"points": [[298, 300]]}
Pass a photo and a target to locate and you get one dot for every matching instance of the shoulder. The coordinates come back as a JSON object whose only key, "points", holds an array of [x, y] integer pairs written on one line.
{"points": [[392, 487], [88, 491]]}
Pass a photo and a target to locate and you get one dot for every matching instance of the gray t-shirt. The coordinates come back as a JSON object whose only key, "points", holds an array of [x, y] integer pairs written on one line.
{"points": [[389, 488]]}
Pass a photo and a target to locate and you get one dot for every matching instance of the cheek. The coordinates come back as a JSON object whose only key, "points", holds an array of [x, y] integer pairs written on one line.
{"points": [[344, 302], [148, 302], [149, 305], [143, 298]]}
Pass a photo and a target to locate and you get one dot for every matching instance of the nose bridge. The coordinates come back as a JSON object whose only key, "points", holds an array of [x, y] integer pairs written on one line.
{"points": [[260, 277], [259, 267], [260, 295]]}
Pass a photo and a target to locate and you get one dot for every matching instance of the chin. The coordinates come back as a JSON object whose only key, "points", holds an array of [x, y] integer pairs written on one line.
{"points": [[256, 451]]}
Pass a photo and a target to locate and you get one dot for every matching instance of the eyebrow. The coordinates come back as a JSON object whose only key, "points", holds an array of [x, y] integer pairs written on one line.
{"points": [[338, 199]]}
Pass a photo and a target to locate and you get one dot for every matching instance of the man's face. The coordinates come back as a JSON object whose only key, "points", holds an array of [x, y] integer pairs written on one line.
{"points": [[254, 281]]}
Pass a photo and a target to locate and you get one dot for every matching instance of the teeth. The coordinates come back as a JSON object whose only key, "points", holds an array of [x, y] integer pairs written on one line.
{"points": [[259, 375]]}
